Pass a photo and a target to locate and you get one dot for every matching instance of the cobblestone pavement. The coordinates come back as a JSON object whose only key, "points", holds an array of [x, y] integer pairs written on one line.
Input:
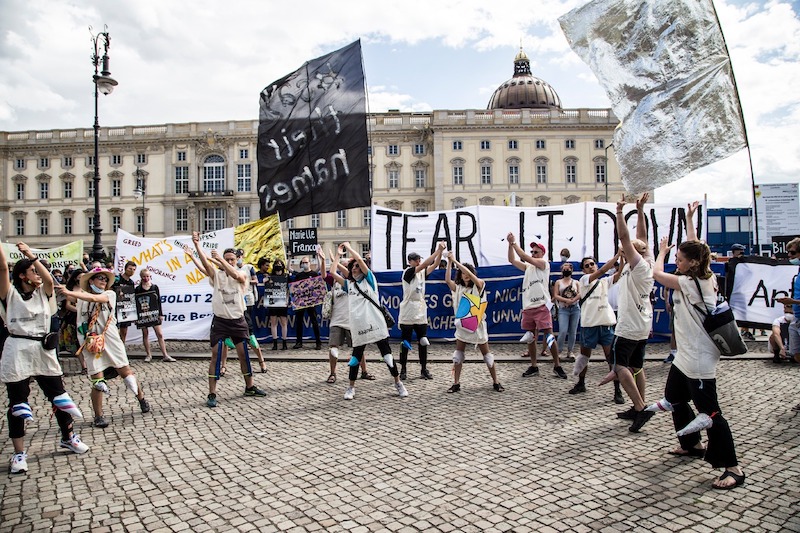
{"points": [[532, 458]]}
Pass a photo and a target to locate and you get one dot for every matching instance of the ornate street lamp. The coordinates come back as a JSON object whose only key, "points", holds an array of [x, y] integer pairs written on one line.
{"points": [[103, 83], [140, 192]]}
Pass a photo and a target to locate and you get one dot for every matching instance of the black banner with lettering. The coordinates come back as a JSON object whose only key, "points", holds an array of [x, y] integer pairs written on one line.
{"points": [[312, 138]]}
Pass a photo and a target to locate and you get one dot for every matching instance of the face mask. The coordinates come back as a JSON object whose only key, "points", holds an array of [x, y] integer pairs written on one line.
{"points": [[96, 289], [789, 316], [278, 269], [564, 258], [239, 262], [795, 260], [305, 268], [566, 273]]}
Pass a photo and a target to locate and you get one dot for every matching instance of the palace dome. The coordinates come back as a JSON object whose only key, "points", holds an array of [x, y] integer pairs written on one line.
{"points": [[524, 90]]}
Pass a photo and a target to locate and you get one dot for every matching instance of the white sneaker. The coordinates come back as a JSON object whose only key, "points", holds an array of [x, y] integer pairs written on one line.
{"points": [[528, 337], [19, 463], [74, 444], [349, 393], [401, 389]]}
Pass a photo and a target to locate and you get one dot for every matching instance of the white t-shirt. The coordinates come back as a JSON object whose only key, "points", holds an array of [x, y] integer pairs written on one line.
{"points": [[536, 287], [635, 317], [697, 355], [413, 309], [227, 300], [596, 311]]}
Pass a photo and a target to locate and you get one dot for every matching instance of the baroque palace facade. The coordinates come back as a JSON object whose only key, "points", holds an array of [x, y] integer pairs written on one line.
{"points": [[524, 149]]}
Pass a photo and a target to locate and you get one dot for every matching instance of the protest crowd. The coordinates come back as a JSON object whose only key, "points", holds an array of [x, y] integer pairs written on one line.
{"points": [[85, 311]]}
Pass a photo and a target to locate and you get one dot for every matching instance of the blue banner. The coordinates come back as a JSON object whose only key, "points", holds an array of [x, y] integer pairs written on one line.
{"points": [[503, 292]]}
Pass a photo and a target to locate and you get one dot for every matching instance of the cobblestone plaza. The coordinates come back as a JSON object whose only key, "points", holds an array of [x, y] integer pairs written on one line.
{"points": [[532, 458]]}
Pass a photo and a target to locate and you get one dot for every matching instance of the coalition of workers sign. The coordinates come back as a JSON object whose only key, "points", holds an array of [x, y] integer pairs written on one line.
{"points": [[312, 138]]}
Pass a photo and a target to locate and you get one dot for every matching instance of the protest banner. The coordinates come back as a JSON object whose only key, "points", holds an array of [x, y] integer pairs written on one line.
{"points": [[126, 303], [60, 257], [308, 292], [276, 293], [477, 234], [147, 309]]}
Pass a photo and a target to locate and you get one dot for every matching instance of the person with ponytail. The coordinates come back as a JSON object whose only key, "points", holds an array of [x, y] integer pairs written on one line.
{"points": [[693, 375]]}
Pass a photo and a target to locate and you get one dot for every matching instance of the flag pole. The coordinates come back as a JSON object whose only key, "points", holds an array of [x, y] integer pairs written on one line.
{"points": [[369, 148], [744, 129]]}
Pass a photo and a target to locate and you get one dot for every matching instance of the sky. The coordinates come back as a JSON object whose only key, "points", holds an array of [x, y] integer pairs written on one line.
{"points": [[205, 60]]}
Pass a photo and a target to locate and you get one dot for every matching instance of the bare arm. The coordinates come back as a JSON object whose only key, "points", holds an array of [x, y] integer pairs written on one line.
{"points": [[691, 232], [85, 296], [322, 265], [361, 263], [618, 273], [668, 280], [238, 275], [207, 268], [47, 279], [334, 271], [432, 262], [188, 251], [448, 273], [631, 255], [5, 279], [608, 265], [514, 251], [641, 225]]}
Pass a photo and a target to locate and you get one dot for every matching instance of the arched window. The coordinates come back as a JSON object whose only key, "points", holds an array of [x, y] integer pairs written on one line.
{"points": [[214, 174]]}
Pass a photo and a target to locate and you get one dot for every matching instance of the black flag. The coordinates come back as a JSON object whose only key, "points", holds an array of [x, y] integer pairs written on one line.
{"points": [[312, 138]]}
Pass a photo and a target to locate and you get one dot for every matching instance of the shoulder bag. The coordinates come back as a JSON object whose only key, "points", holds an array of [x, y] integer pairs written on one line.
{"points": [[385, 312], [720, 325], [94, 343]]}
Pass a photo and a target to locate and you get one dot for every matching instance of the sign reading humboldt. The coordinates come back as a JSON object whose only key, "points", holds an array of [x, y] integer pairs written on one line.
{"points": [[312, 138]]}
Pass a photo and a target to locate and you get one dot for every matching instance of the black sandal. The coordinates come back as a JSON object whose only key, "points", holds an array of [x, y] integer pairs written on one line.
{"points": [[454, 388], [331, 378], [738, 480]]}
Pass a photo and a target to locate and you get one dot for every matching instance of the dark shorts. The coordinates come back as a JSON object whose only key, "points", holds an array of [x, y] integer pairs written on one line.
{"points": [[628, 353], [225, 328], [537, 318], [594, 335], [278, 311]]}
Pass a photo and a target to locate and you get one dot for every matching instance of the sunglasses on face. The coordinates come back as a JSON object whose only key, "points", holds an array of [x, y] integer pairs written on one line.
{"points": [[791, 252], [588, 264]]}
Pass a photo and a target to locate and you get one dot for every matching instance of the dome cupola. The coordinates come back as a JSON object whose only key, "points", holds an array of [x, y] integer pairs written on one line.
{"points": [[524, 90]]}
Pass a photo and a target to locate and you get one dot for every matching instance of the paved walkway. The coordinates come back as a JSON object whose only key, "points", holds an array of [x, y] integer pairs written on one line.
{"points": [[532, 458]]}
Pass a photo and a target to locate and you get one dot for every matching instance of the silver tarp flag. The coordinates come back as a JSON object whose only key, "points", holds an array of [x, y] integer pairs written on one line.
{"points": [[665, 69]]}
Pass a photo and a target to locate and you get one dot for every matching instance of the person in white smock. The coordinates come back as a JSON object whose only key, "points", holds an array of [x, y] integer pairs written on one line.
{"points": [[27, 303], [97, 315], [366, 319], [468, 283]]}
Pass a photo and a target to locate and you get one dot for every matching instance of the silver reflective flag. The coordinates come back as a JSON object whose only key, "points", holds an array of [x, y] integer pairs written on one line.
{"points": [[664, 66]]}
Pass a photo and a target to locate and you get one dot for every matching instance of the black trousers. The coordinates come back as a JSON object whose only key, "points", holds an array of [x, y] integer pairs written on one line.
{"points": [[679, 391], [298, 322], [406, 331], [19, 391], [358, 353]]}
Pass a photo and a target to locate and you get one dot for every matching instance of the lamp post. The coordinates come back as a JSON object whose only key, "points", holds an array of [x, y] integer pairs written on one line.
{"points": [[608, 167], [103, 83], [141, 191]]}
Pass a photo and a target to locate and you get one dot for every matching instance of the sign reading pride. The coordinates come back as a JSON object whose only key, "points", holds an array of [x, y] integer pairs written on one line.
{"points": [[185, 291], [477, 234]]}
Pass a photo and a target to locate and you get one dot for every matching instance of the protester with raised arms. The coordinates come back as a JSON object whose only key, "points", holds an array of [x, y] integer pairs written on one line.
{"points": [[692, 376], [536, 317], [27, 303], [366, 318], [227, 304], [468, 283], [413, 317], [635, 317]]}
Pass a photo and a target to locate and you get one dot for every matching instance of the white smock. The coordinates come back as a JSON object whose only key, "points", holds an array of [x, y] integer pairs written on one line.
{"points": [[480, 335], [413, 309], [367, 323], [114, 354]]}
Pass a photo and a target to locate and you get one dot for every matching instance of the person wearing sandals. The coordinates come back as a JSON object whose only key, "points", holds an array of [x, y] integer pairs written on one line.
{"points": [[97, 304], [228, 323], [366, 317], [413, 316], [692, 376], [146, 285], [467, 282], [340, 322], [27, 303]]}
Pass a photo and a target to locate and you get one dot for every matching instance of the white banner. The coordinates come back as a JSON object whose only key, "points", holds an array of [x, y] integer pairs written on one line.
{"points": [[185, 291], [477, 234], [756, 285]]}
